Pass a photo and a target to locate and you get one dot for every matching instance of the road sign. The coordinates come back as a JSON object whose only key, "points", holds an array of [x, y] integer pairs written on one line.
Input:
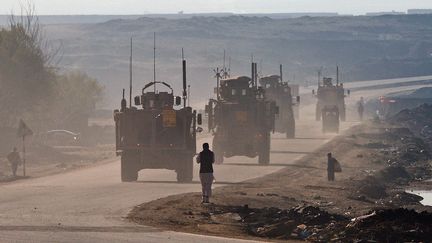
{"points": [[23, 130]]}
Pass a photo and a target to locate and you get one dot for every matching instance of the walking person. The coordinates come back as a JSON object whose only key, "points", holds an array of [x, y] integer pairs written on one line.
{"points": [[206, 159], [360, 108], [332, 167], [15, 160]]}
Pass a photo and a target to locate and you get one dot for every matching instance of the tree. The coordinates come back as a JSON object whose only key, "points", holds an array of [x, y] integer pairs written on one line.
{"points": [[30, 86]]}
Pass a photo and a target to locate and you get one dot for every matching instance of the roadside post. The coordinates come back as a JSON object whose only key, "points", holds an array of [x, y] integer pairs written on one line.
{"points": [[23, 131]]}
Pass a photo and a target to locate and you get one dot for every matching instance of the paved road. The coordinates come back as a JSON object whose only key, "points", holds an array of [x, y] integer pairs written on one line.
{"points": [[87, 205]]}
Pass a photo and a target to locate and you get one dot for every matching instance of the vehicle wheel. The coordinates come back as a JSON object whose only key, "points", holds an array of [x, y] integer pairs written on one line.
{"points": [[264, 151], [129, 171], [219, 158], [290, 132], [318, 113], [342, 113], [185, 173]]}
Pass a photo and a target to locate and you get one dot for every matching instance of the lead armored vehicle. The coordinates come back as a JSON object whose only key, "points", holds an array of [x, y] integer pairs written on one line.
{"points": [[156, 135], [241, 119], [280, 92]]}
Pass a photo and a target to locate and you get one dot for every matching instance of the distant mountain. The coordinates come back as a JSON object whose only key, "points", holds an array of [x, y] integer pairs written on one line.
{"points": [[364, 47]]}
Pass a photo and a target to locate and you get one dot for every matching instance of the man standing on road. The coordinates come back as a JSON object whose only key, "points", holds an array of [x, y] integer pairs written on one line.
{"points": [[15, 160], [331, 164], [206, 160]]}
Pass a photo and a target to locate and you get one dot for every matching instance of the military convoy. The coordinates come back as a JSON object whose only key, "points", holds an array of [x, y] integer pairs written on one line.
{"points": [[330, 107], [241, 119], [156, 136], [280, 92]]}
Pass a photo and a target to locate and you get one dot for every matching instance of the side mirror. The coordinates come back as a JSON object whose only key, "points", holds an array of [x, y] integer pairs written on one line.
{"points": [[177, 100], [199, 129], [199, 119], [298, 99], [137, 100], [207, 109]]}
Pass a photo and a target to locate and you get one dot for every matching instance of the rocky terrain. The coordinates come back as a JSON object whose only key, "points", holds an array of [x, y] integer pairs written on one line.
{"points": [[366, 48], [368, 201]]}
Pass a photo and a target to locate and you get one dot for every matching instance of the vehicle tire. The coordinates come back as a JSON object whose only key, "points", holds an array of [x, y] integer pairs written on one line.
{"points": [[342, 112], [318, 113], [290, 132], [219, 158], [185, 173], [264, 150], [129, 171]]}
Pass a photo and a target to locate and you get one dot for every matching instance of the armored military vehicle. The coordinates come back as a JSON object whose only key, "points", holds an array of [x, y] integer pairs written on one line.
{"points": [[280, 92], [331, 98], [241, 119], [157, 136]]}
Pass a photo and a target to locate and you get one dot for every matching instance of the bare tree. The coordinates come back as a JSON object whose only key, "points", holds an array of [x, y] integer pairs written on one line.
{"points": [[28, 23]]}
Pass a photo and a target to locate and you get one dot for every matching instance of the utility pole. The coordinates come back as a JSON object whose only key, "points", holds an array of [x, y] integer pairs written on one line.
{"points": [[130, 75], [154, 61]]}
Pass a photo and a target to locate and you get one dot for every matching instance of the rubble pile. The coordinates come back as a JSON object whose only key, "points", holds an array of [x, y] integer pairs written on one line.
{"points": [[391, 225], [296, 223], [418, 120]]}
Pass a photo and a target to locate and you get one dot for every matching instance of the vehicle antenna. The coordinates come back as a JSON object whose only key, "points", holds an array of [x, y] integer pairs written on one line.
{"points": [[154, 61], [184, 79], [224, 66], [130, 75], [217, 76], [189, 93], [281, 72], [337, 75], [229, 67]]}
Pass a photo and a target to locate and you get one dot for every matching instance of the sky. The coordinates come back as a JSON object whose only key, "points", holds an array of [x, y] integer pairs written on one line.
{"points": [[124, 7]]}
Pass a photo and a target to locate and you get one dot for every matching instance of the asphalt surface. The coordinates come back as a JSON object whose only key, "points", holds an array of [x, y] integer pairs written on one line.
{"points": [[88, 205]]}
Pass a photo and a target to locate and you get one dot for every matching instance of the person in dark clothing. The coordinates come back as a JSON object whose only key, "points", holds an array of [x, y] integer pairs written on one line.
{"points": [[360, 108], [331, 162], [206, 160], [15, 160]]}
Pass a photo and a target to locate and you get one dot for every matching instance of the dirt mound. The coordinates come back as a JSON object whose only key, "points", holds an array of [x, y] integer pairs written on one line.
{"points": [[392, 225], [296, 223], [393, 173], [371, 187], [418, 120]]}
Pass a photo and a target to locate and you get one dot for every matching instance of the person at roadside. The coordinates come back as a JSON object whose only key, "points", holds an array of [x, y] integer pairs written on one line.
{"points": [[360, 108], [332, 163], [15, 160], [206, 159]]}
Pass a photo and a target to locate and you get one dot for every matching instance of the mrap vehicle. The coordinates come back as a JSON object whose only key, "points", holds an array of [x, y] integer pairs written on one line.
{"points": [[331, 104], [157, 136], [241, 119], [280, 92]]}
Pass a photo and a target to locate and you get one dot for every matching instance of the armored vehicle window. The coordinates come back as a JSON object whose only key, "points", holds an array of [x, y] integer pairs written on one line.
{"points": [[243, 92], [233, 92]]}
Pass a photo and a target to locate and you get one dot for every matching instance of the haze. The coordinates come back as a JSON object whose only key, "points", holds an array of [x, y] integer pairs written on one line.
{"points": [[58, 7]]}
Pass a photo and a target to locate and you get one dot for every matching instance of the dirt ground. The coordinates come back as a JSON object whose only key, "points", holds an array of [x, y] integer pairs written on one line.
{"points": [[379, 162], [42, 160], [46, 157]]}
